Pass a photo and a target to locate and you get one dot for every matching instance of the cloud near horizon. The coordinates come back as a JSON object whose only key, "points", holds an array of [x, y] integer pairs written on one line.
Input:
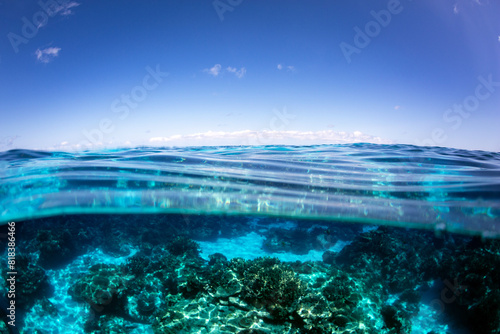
{"points": [[268, 137], [234, 138]]}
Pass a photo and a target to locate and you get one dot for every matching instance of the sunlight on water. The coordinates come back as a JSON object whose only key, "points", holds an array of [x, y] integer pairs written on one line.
{"points": [[253, 239], [434, 188]]}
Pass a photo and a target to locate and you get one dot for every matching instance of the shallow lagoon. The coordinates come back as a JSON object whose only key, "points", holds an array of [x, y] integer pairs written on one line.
{"points": [[330, 239], [230, 274]]}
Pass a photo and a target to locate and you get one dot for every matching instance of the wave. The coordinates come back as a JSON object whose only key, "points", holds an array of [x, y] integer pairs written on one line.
{"points": [[419, 187]]}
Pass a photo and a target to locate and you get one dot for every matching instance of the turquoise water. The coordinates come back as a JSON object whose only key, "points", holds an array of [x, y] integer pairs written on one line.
{"points": [[357, 238], [401, 185]]}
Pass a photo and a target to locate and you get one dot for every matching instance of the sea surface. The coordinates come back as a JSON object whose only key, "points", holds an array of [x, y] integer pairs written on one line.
{"points": [[357, 238]]}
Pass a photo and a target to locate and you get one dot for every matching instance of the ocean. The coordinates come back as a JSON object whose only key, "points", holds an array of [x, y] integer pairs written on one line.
{"points": [[357, 238]]}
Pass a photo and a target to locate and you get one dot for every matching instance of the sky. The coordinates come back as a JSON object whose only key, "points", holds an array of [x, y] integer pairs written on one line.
{"points": [[78, 75]]}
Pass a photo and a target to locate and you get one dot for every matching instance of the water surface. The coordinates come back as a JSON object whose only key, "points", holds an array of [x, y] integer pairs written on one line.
{"points": [[401, 185]]}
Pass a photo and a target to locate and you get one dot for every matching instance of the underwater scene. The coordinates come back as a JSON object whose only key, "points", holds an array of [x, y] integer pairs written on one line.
{"points": [[352, 238]]}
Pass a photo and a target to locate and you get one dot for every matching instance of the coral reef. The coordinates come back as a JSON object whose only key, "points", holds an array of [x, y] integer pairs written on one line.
{"points": [[374, 285], [329, 257], [473, 285], [31, 284], [269, 283], [388, 256], [396, 320], [102, 288], [223, 281], [56, 247], [183, 246]]}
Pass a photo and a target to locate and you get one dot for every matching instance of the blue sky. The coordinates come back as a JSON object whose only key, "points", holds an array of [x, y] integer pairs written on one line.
{"points": [[82, 74]]}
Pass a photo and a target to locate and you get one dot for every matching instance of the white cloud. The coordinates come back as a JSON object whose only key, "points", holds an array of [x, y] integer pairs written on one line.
{"points": [[499, 38], [239, 73], [46, 55], [455, 8], [222, 138], [65, 8], [69, 146], [267, 137], [288, 68], [215, 70], [397, 107], [56, 8]]}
